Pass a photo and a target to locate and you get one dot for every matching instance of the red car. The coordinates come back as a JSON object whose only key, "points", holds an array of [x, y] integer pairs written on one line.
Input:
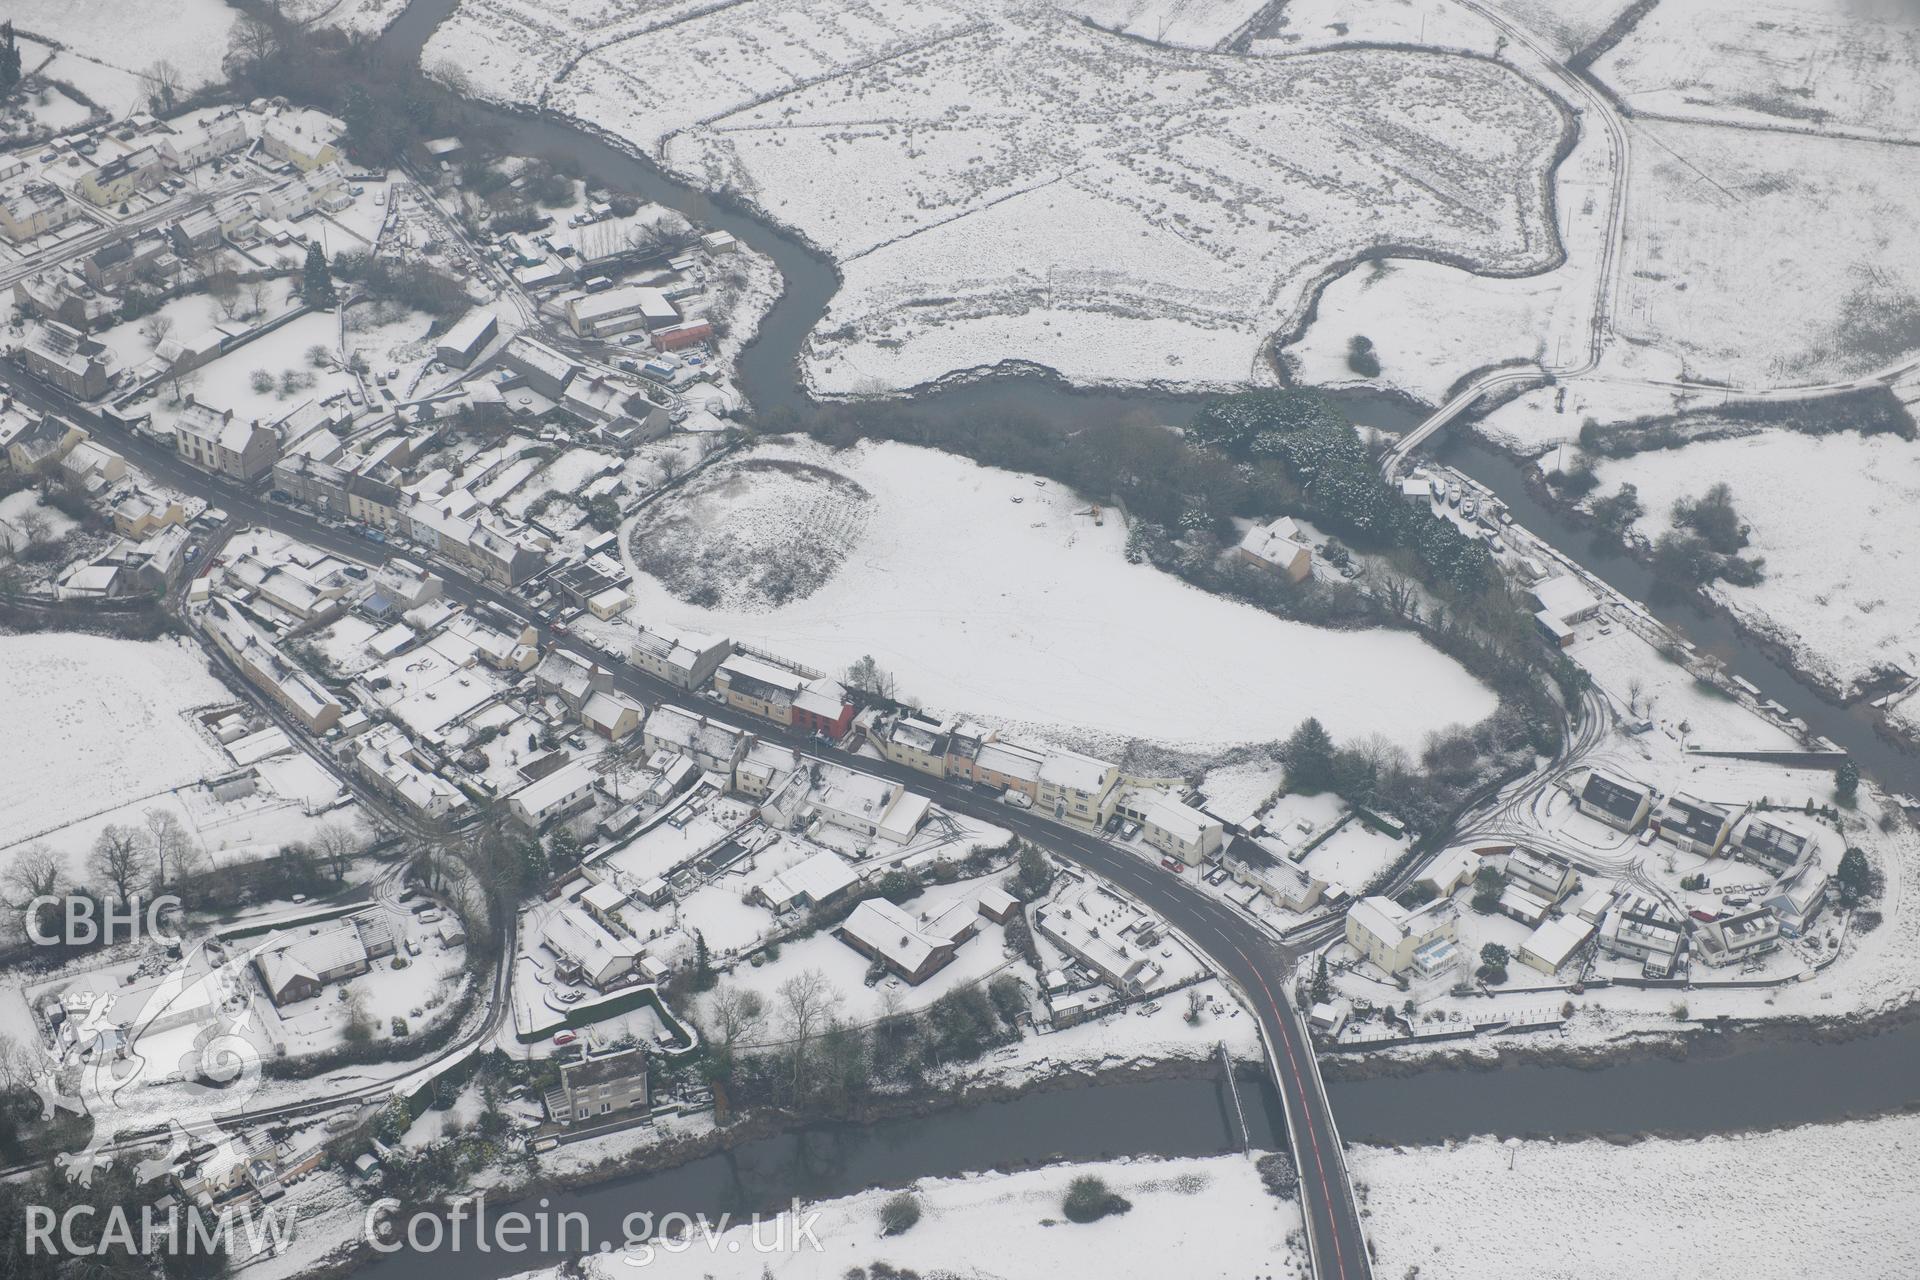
{"points": [[1174, 865]]}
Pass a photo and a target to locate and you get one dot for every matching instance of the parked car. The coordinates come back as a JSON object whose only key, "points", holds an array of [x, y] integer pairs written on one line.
{"points": [[432, 915], [565, 1037]]}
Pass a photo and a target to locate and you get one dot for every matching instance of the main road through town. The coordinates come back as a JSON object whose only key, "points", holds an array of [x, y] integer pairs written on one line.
{"points": [[1248, 956]]}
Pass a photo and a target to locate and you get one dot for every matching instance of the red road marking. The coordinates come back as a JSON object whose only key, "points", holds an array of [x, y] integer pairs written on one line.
{"points": [[1299, 1084]]}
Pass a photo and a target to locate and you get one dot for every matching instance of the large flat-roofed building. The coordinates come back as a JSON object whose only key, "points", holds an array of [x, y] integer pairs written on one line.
{"points": [[623, 310], [541, 367], [459, 346]]}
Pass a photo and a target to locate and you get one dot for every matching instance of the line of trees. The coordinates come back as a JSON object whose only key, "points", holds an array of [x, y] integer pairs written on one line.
{"points": [[803, 1052], [159, 856]]}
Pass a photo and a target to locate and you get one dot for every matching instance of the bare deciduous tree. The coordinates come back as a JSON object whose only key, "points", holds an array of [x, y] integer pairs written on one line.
{"points": [[251, 43], [223, 286], [162, 81], [120, 858], [155, 328], [34, 873], [338, 845], [19, 1064], [806, 1001], [167, 837], [734, 1015]]}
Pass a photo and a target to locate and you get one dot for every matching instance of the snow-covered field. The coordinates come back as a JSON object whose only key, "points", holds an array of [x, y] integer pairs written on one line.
{"points": [[1799, 64], [1204, 1218], [1765, 259], [1837, 518], [1392, 304], [1835, 1200], [359, 17], [132, 35], [1191, 24], [108, 724], [1031, 613], [1028, 187]]}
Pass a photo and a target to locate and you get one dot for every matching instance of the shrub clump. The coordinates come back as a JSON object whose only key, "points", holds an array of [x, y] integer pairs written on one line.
{"points": [[899, 1213], [1089, 1200]]}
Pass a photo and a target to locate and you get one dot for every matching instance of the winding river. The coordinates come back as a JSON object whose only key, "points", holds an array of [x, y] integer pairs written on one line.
{"points": [[1736, 1081]]}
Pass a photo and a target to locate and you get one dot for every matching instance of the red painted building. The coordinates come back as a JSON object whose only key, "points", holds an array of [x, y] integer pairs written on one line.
{"points": [[679, 336], [822, 707]]}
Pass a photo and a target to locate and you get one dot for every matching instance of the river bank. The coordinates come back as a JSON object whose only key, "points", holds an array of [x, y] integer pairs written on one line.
{"points": [[1762, 633], [762, 1161]]}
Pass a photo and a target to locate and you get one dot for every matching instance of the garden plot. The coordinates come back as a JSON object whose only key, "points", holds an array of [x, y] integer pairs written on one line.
{"points": [[1184, 1210], [1025, 609], [28, 516], [1820, 1200], [1766, 259], [392, 340], [1112, 209], [132, 341], [1794, 64], [267, 378], [1838, 520], [109, 727], [130, 35], [564, 476], [117, 92]]}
